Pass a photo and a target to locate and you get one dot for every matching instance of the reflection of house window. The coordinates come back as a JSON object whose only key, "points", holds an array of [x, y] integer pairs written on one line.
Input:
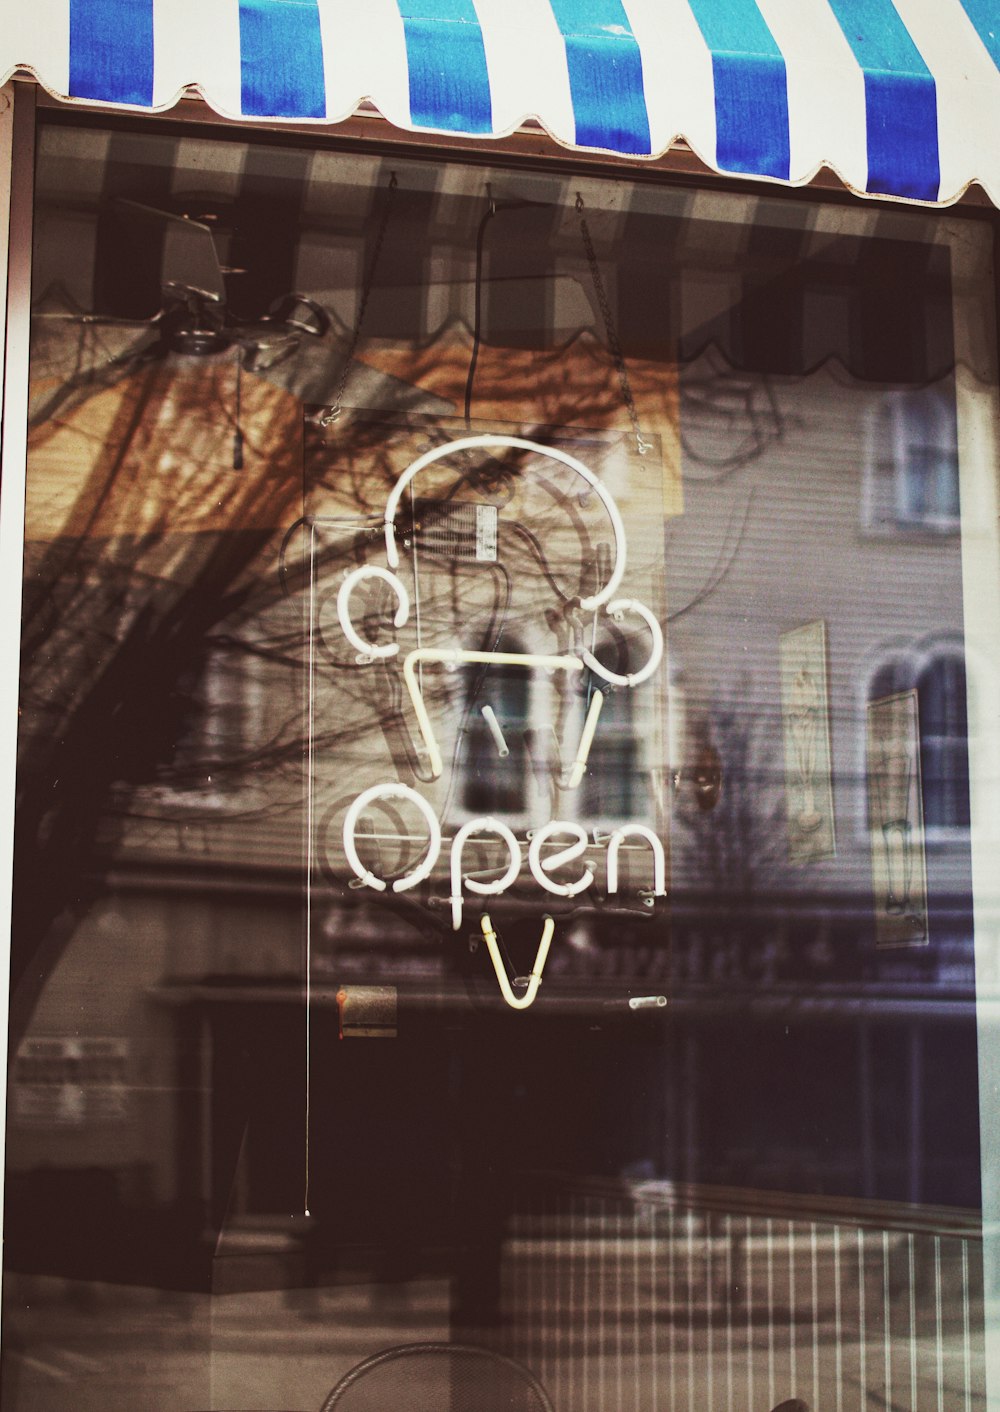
{"points": [[67, 1082], [911, 464], [216, 704], [940, 683], [496, 783], [944, 746], [614, 786]]}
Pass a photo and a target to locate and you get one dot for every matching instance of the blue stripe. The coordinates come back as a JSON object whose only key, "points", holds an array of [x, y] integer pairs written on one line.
{"points": [[751, 88], [111, 51], [449, 82], [986, 18], [900, 100], [605, 75], [281, 59]]}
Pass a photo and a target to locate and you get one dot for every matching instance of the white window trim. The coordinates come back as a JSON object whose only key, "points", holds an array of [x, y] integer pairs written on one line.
{"points": [[17, 154]]}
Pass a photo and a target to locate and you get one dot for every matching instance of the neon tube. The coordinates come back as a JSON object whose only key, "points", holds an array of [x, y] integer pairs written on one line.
{"points": [[371, 571], [473, 443], [490, 717], [630, 605], [659, 861], [485, 889], [586, 741], [540, 869], [459, 656], [391, 791], [535, 979]]}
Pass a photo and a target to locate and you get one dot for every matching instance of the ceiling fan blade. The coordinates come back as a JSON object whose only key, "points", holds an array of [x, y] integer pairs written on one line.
{"points": [[190, 260], [271, 340], [299, 313], [261, 354]]}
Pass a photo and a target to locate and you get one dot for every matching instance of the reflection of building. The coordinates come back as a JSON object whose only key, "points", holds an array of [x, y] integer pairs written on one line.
{"points": [[804, 942], [794, 1056]]}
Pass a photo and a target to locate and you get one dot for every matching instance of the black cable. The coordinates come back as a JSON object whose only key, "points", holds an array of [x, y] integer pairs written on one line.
{"points": [[238, 433], [491, 210], [477, 318], [723, 562]]}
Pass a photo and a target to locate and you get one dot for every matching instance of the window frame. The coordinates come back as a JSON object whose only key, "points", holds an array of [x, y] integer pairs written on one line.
{"points": [[979, 493]]}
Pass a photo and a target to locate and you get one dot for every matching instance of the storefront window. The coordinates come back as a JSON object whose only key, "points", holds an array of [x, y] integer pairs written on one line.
{"points": [[506, 787]]}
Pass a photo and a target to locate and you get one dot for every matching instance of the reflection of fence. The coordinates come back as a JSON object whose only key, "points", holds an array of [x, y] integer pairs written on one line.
{"points": [[656, 1299]]}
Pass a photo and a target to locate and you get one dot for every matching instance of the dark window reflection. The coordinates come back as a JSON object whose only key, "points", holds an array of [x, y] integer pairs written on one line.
{"points": [[944, 751], [615, 786], [943, 721], [497, 707]]}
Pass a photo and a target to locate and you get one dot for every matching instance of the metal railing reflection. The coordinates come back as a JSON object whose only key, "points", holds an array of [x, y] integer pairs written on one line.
{"points": [[659, 1297]]}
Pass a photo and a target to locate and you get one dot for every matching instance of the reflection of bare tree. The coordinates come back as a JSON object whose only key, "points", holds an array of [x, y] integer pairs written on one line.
{"points": [[732, 852], [127, 574], [145, 552]]}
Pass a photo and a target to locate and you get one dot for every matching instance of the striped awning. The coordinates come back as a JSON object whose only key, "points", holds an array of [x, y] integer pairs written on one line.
{"points": [[901, 98]]}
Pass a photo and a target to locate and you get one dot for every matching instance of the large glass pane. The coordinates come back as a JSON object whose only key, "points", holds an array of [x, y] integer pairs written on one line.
{"points": [[506, 793]]}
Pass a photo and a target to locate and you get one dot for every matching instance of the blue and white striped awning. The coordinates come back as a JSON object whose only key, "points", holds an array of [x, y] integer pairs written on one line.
{"points": [[901, 98]]}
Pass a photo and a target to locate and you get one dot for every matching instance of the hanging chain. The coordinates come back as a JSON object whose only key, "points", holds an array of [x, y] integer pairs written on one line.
{"points": [[642, 445], [336, 406]]}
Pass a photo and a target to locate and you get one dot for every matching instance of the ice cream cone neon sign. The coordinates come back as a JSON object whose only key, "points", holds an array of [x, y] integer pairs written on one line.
{"points": [[549, 871]]}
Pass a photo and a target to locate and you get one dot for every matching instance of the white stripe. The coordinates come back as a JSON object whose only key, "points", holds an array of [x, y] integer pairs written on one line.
{"points": [[677, 75], [826, 91], [968, 91], [36, 34], [197, 42], [364, 53], [526, 59]]}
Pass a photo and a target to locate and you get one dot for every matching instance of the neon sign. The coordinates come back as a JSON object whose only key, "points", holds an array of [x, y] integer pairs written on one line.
{"points": [[550, 871]]}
